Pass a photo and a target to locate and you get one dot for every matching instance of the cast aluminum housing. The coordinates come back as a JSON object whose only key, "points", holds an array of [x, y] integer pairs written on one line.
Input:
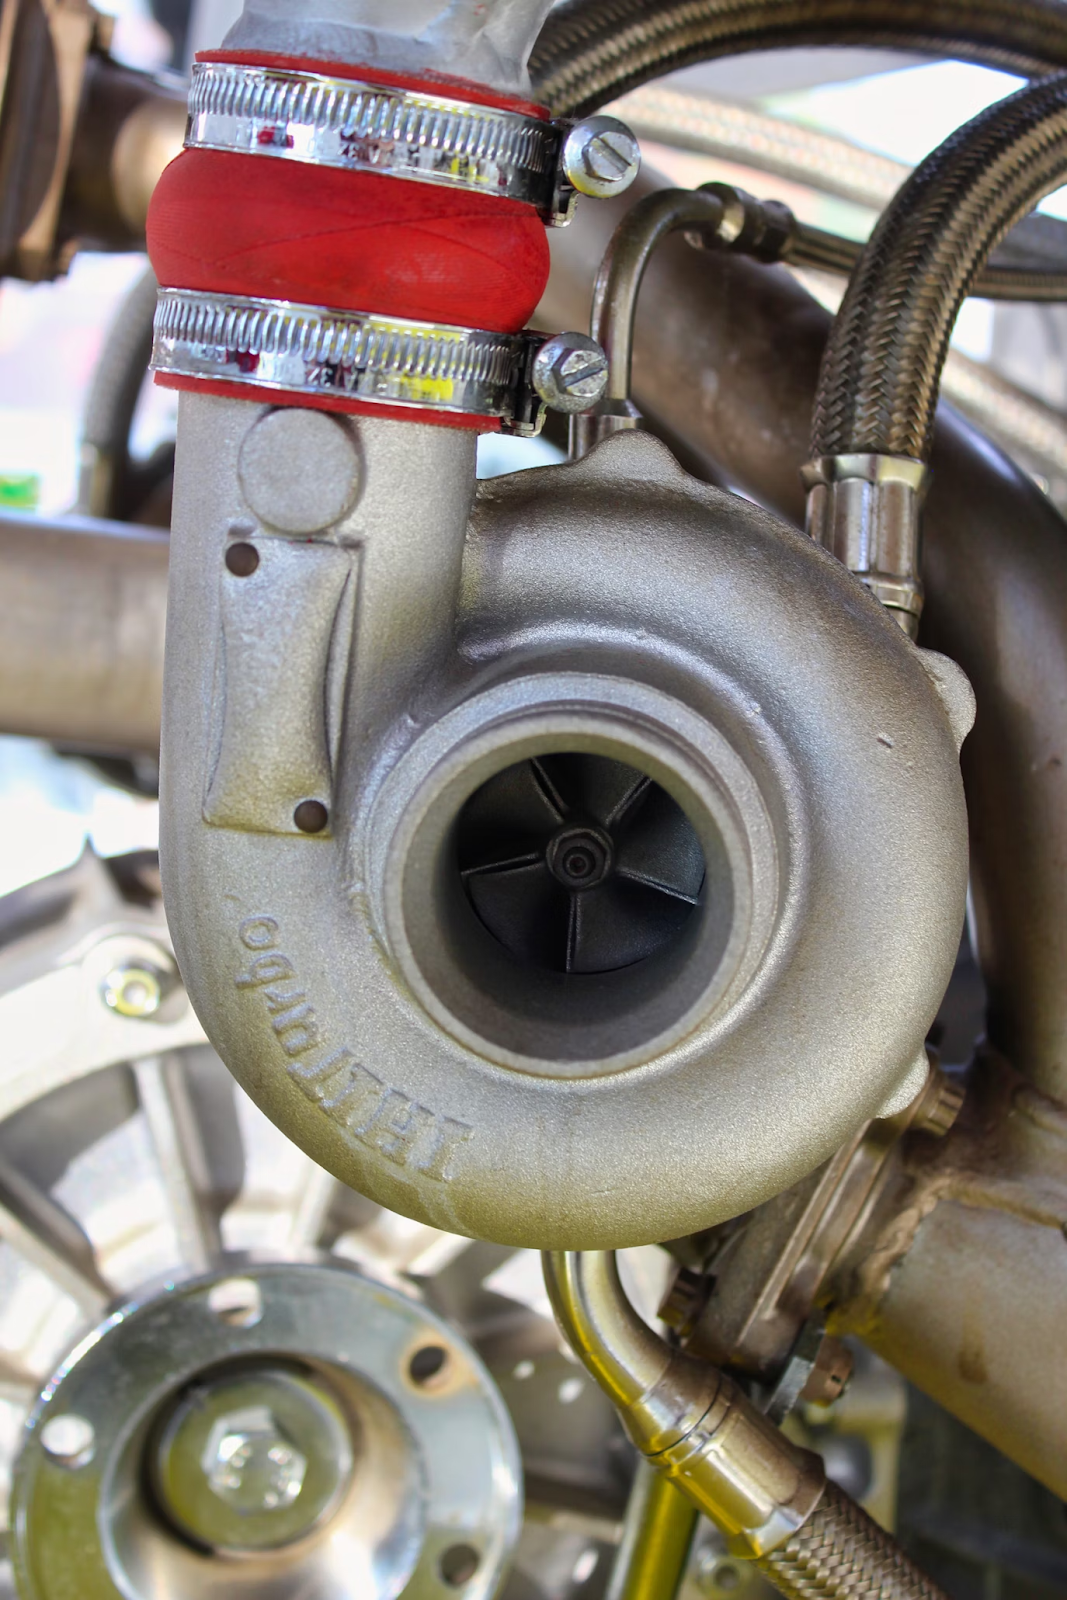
{"points": [[384, 659]]}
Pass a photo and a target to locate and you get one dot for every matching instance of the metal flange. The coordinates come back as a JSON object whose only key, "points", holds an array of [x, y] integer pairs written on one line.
{"points": [[276, 1430]]}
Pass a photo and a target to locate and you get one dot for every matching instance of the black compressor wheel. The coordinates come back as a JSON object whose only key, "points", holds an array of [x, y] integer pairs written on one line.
{"points": [[578, 863]]}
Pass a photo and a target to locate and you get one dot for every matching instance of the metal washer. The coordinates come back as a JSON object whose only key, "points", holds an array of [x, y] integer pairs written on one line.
{"points": [[436, 1483]]}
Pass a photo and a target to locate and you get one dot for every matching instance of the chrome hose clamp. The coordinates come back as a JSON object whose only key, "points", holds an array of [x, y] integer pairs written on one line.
{"points": [[338, 122], [312, 351]]}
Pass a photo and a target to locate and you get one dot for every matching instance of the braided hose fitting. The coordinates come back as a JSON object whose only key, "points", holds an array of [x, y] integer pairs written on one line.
{"points": [[770, 1498], [591, 51]]}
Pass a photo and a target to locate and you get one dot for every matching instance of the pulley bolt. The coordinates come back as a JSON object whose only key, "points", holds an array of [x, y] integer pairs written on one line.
{"points": [[253, 1460], [250, 1463], [600, 157], [570, 372], [134, 990]]}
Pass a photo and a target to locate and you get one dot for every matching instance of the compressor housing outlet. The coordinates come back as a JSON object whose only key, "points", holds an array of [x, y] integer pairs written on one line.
{"points": [[641, 852]]}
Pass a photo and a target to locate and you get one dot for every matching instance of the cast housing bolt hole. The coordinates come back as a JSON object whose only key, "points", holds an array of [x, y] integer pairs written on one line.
{"points": [[237, 1302], [578, 863], [458, 1564], [69, 1440], [311, 816], [427, 1363], [241, 559]]}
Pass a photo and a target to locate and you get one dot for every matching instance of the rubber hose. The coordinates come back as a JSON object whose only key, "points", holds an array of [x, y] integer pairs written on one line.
{"points": [[591, 51], [880, 375], [840, 1554]]}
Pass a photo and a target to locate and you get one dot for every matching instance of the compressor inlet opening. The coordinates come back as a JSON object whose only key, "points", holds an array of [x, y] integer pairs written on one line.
{"points": [[580, 864], [573, 886]]}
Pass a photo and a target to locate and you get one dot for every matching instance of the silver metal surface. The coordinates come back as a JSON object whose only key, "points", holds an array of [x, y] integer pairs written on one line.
{"points": [[570, 372], [399, 1046], [866, 510], [971, 1316], [94, 594], [484, 43], [690, 1420], [600, 157], [356, 126], [365, 1467], [353, 355]]}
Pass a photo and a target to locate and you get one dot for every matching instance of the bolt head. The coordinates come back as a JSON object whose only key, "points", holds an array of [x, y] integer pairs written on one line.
{"points": [[134, 990], [600, 157], [251, 1463], [570, 372], [253, 1460]]}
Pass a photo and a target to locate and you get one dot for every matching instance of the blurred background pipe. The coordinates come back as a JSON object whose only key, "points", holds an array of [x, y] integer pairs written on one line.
{"points": [[82, 613]]}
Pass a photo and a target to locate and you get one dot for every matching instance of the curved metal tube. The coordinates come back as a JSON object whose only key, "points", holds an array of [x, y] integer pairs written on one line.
{"points": [[716, 215], [768, 1497], [602, 1327], [880, 375], [632, 247], [590, 51]]}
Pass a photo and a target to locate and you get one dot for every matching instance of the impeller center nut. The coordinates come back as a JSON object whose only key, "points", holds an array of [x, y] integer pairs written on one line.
{"points": [[570, 372], [579, 857], [600, 157]]}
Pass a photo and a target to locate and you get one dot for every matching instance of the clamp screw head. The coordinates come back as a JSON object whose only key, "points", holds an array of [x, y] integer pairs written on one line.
{"points": [[570, 372], [600, 157]]}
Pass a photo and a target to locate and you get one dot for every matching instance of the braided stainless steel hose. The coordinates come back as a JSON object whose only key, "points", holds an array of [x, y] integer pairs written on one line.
{"points": [[841, 1554], [590, 51], [880, 375]]}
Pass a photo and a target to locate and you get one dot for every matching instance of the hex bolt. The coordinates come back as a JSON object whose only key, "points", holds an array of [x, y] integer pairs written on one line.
{"points": [[135, 990], [252, 1459], [570, 372], [250, 1462], [69, 1440], [600, 157]]}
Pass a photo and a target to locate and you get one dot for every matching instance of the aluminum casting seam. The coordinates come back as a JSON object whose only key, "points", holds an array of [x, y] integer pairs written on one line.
{"points": [[880, 375], [591, 51]]}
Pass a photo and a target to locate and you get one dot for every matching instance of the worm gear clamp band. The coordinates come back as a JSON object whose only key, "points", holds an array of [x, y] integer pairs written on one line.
{"points": [[328, 121]]}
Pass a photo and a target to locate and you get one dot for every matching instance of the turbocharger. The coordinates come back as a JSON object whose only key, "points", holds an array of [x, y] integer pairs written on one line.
{"points": [[574, 859]]}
